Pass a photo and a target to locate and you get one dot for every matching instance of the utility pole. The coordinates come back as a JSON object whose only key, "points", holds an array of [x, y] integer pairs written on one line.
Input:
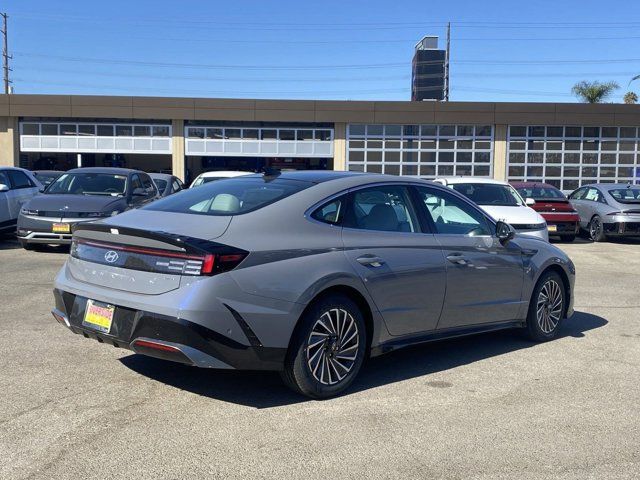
{"points": [[446, 63], [5, 54]]}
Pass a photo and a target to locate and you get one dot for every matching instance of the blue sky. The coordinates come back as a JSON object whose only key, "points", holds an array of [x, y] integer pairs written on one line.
{"points": [[501, 50]]}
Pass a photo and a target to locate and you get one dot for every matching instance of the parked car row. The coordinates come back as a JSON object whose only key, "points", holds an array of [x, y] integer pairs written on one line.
{"points": [[84, 194]]}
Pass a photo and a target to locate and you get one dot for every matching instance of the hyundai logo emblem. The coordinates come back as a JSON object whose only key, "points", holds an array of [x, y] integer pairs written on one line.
{"points": [[111, 256]]}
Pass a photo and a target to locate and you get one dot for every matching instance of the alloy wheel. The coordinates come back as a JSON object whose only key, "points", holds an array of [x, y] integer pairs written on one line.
{"points": [[595, 227], [549, 306], [332, 346]]}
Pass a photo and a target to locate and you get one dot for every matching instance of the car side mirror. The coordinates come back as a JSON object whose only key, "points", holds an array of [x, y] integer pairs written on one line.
{"points": [[504, 232], [139, 192], [3, 187], [42, 189], [530, 201]]}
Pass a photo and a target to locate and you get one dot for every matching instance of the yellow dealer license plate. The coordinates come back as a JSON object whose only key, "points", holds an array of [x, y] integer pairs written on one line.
{"points": [[61, 228], [98, 316], [552, 228]]}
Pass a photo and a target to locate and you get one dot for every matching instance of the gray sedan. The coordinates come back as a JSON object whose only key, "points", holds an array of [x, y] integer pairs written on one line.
{"points": [[81, 195], [307, 273], [608, 209]]}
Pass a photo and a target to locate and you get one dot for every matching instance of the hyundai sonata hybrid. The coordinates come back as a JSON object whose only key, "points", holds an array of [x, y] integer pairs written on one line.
{"points": [[81, 195], [306, 273]]}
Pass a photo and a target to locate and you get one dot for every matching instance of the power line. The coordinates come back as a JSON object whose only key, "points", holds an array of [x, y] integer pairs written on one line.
{"points": [[318, 67]]}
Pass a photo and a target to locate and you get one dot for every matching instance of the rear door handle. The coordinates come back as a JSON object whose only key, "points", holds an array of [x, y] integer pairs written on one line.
{"points": [[457, 258], [370, 261]]}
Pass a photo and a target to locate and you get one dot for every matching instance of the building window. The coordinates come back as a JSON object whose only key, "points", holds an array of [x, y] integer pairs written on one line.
{"points": [[425, 151], [571, 156]]}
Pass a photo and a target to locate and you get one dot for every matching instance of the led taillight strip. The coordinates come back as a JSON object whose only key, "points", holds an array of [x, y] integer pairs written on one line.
{"points": [[208, 260]]}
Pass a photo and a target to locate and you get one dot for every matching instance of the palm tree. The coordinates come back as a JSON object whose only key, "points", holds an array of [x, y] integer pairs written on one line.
{"points": [[630, 97], [594, 92]]}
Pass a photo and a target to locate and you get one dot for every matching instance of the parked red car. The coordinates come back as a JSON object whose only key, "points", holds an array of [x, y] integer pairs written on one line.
{"points": [[562, 220]]}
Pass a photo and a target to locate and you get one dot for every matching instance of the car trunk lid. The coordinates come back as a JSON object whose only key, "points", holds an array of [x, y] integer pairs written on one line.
{"points": [[143, 260]]}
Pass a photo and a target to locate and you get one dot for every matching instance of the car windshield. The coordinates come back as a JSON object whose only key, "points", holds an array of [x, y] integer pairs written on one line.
{"points": [[86, 183], [161, 184], [46, 178], [231, 196], [539, 192], [626, 195], [489, 194]]}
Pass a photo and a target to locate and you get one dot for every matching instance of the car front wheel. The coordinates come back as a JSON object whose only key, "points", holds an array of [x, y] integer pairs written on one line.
{"points": [[328, 348], [547, 307]]}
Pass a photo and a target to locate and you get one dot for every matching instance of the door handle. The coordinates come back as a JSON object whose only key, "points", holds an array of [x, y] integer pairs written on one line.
{"points": [[370, 261], [457, 258]]}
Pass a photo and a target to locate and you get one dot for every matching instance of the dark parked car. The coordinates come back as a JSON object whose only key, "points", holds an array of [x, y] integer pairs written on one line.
{"points": [[81, 195], [307, 273], [166, 184], [46, 177], [562, 219], [608, 209]]}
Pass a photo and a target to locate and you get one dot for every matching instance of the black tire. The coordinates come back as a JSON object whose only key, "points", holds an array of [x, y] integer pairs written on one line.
{"points": [[26, 245], [544, 327], [326, 351], [596, 229], [567, 238]]}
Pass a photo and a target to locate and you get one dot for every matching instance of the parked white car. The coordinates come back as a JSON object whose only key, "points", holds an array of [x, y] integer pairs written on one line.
{"points": [[502, 202], [207, 177], [17, 186]]}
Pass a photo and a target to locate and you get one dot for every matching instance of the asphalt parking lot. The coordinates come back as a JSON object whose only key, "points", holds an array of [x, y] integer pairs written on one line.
{"points": [[493, 406]]}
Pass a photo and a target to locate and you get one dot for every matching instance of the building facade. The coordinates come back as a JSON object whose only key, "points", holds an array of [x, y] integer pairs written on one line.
{"points": [[563, 144], [428, 71]]}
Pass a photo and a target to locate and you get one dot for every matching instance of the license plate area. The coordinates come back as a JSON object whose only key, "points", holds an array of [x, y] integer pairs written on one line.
{"points": [[61, 228], [98, 316]]}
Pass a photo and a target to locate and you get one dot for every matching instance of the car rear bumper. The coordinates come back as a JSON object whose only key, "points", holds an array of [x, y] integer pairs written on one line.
{"points": [[168, 338], [623, 228]]}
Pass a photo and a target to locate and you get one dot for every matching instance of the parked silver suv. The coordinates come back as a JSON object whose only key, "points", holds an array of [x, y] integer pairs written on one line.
{"points": [[307, 273], [17, 186]]}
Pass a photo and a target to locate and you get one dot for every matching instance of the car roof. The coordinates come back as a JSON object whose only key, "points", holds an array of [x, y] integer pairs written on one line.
{"points": [[49, 172], [161, 176], [532, 184], [223, 173], [457, 180], [112, 170], [605, 186]]}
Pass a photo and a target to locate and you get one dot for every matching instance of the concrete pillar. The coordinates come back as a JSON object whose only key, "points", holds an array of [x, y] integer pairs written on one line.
{"points": [[177, 149], [9, 142], [500, 152], [340, 146]]}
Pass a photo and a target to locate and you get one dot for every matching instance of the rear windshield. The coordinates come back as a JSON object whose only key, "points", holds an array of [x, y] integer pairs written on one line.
{"points": [[231, 196], [161, 184], [626, 195], [203, 180], [541, 193]]}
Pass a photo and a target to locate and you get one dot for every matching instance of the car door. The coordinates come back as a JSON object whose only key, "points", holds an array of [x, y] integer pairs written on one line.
{"points": [[5, 215], [581, 205], [484, 277], [22, 189], [400, 265]]}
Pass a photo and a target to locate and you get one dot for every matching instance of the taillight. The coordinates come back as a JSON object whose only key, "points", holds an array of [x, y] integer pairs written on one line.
{"points": [[157, 260]]}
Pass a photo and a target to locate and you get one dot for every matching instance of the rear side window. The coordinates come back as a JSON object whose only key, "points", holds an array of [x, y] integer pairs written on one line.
{"points": [[231, 196], [19, 179], [330, 212]]}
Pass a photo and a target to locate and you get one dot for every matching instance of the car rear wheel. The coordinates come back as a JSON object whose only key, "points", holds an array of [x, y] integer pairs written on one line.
{"points": [[567, 238], [596, 229], [547, 307], [328, 348]]}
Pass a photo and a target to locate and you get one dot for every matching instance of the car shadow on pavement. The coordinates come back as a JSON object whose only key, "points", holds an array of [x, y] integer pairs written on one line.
{"points": [[9, 243], [266, 390]]}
